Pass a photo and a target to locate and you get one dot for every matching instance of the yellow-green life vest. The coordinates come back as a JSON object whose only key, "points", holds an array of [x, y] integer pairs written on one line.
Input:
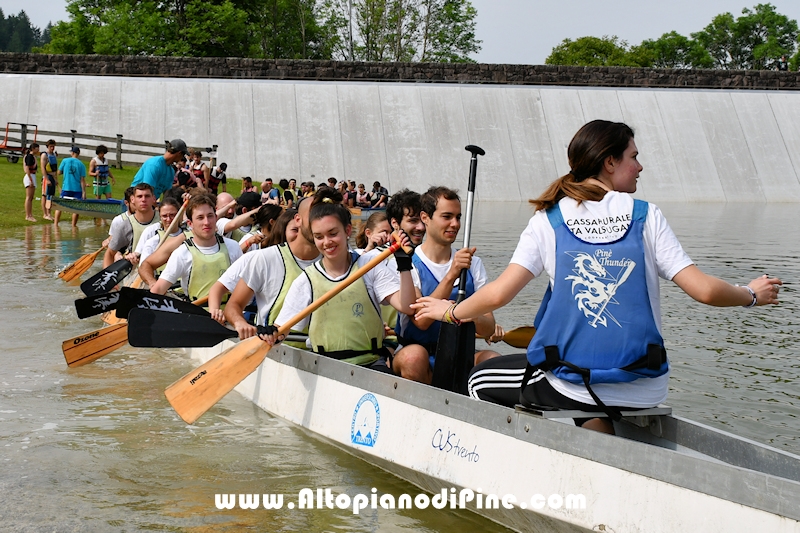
{"points": [[291, 272], [349, 322], [206, 269], [138, 228]]}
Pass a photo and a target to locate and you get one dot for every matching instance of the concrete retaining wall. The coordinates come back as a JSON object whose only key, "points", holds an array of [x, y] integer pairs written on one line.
{"points": [[696, 145]]}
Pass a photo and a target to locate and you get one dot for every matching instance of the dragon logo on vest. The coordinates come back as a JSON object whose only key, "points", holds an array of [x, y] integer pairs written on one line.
{"points": [[599, 284]]}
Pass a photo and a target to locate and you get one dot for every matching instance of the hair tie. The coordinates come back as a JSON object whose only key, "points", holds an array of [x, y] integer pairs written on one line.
{"points": [[578, 179], [327, 200]]}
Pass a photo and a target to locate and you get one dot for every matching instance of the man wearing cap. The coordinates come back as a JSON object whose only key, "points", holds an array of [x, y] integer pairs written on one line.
{"points": [[218, 177], [74, 184], [158, 171]]}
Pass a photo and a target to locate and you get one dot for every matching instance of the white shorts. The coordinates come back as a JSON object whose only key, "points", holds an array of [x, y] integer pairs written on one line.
{"points": [[28, 182]]}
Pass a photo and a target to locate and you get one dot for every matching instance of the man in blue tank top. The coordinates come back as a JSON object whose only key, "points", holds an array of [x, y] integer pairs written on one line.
{"points": [[439, 267], [158, 171], [74, 184]]}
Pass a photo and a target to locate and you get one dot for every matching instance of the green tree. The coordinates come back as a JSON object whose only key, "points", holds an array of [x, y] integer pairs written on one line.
{"points": [[400, 30], [597, 52], [287, 29], [17, 34], [673, 50], [755, 40]]}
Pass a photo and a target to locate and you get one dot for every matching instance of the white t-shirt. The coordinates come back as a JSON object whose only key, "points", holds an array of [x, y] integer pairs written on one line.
{"points": [[262, 271], [600, 222], [149, 241], [221, 222], [380, 282], [179, 265], [252, 247]]}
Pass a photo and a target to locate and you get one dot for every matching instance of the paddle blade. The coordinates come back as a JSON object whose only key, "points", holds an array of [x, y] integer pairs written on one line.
{"points": [[455, 357], [196, 392], [143, 299], [95, 305], [106, 279], [86, 348], [519, 337], [160, 329], [76, 269]]}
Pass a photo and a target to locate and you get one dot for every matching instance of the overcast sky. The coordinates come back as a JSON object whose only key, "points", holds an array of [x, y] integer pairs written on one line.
{"points": [[525, 31]]}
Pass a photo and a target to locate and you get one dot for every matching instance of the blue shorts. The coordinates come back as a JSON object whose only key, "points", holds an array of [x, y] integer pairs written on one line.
{"points": [[75, 195]]}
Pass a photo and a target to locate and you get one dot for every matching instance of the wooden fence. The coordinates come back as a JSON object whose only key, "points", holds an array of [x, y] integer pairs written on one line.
{"points": [[120, 149]]}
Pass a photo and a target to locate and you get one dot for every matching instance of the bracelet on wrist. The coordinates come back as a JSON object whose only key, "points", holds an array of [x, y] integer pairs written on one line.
{"points": [[753, 294], [450, 317]]}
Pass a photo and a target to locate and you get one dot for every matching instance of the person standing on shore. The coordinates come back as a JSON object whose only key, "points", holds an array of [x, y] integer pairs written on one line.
{"points": [[29, 180], [74, 184], [158, 171], [100, 171], [49, 164]]}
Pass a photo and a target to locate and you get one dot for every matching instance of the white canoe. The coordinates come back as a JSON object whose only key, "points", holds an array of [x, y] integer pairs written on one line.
{"points": [[669, 475]]}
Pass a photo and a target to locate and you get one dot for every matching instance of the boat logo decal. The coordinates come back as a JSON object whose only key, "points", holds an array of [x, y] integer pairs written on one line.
{"points": [[358, 309], [600, 285], [366, 421]]}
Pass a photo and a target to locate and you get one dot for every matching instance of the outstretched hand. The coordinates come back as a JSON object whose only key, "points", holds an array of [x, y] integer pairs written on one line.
{"points": [[766, 289]]}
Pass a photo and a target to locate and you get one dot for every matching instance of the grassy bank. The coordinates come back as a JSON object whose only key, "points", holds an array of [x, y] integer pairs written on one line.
{"points": [[12, 207]]}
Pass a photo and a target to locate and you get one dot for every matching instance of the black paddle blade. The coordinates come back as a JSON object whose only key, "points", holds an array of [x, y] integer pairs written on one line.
{"points": [[96, 305], [455, 357], [148, 328], [144, 299], [106, 279]]}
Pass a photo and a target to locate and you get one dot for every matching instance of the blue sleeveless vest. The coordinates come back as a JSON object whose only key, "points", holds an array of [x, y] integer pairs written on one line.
{"points": [[414, 335], [596, 324]]}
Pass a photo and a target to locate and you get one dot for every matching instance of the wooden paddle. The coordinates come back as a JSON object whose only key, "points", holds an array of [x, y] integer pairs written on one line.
{"points": [[455, 349], [84, 349], [76, 269], [518, 337], [198, 391]]}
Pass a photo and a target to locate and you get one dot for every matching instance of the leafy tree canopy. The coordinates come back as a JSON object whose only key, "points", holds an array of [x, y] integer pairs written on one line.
{"points": [[373, 30], [17, 34], [755, 40]]}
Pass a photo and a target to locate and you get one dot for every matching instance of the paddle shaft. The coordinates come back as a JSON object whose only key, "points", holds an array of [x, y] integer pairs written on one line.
{"points": [[349, 280], [473, 170]]}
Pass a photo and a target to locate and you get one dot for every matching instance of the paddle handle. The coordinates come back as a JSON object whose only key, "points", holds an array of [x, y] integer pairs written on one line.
{"points": [[473, 171], [349, 280]]}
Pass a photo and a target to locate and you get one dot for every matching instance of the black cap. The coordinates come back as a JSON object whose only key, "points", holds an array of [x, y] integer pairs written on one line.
{"points": [[223, 166], [177, 145], [75, 150], [250, 200]]}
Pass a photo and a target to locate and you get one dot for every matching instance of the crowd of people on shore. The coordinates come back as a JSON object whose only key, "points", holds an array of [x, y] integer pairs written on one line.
{"points": [[262, 258], [179, 167]]}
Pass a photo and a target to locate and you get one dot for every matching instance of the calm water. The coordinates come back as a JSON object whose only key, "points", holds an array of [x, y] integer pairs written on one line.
{"points": [[99, 449]]}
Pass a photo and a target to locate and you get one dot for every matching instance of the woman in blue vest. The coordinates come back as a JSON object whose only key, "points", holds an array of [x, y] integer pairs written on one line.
{"points": [[598, 345]]}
